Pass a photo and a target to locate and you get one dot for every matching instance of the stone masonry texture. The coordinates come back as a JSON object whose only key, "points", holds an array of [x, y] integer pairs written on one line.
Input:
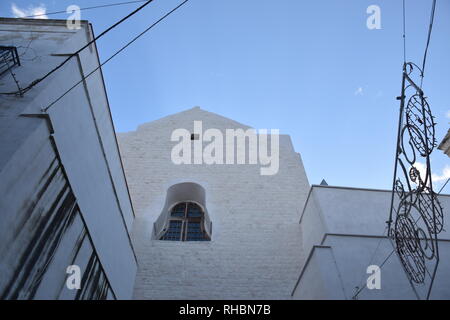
{"points": [[255, 251]]}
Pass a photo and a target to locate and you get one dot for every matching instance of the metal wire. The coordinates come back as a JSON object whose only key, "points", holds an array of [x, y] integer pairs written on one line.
{"points": [[114, 55], [37, 81]]}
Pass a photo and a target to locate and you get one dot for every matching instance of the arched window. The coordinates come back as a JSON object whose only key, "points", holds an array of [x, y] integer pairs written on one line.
{"points": [[186, 223]]}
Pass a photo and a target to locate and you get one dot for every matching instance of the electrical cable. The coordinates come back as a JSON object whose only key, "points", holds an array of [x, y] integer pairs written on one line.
{"points": [[381, 266], [444, 186], [430, 28], [82, 9], [404, 31], [114, 55], [35, 82]]}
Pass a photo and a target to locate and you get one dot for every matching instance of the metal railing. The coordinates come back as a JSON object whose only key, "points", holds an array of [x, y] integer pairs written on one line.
{"points": [[9, 58]]}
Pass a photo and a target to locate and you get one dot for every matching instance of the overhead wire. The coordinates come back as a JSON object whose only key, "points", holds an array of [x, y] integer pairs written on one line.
{"points": [[115, 54], [430, 28], [404, 31], [444, 186], [39, 80], [370, 262], [381, 266], [86, 8]]}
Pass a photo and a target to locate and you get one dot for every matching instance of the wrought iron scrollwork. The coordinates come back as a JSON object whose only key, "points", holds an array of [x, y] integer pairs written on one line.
{"points": [[416, 216]]}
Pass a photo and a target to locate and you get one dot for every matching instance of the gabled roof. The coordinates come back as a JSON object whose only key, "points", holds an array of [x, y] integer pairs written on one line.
{"points": [[213, 120]]}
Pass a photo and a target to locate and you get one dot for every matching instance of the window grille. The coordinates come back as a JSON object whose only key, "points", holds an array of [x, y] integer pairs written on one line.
{"points": [[9, 58], [186, 223]]}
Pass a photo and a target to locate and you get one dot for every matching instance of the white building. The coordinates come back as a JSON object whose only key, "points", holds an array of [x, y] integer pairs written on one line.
{"points": [[268, 239], [64, 199], [343, 233], [235, 232], [255, 247]]}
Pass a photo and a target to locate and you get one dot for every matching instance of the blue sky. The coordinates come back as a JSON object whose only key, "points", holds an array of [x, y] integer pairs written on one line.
{"points": [[309, 68]]}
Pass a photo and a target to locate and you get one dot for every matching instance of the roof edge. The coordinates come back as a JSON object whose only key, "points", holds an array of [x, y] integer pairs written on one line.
{"points": [[360, 189], [40, 22]]}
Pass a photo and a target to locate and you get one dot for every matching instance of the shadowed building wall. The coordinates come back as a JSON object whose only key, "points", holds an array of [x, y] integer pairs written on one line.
{"points": [[64, 198]]}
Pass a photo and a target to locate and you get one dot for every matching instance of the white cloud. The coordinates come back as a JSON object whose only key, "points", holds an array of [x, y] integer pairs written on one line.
{"points": [[448, 114], [443, 177], [38, 11], [359, 91], [422, 170], [438, 179]]}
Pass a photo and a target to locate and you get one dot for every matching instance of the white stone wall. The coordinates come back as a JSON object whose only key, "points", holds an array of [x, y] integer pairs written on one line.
{"points": [[255, 252], [344, 232]]}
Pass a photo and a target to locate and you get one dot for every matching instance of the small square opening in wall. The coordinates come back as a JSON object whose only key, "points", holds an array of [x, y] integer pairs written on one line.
{"points": [[195, 136]]}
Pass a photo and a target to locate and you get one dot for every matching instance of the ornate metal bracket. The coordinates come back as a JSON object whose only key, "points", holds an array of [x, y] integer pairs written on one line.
{"points": [[416, 216]]}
